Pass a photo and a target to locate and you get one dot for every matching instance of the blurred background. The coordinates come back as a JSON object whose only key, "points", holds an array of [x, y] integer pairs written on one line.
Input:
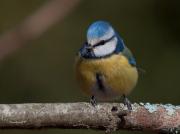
{"points": [[40, 69]]}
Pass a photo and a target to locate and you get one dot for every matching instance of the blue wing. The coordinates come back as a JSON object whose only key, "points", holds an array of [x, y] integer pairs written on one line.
{"points": [[127, 53], [121, 47]]}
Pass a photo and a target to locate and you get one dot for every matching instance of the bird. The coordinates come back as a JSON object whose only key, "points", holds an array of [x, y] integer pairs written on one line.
{"points": [[104, 66]]}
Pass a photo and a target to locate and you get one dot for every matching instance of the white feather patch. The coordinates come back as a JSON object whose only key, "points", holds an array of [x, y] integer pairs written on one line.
{"points": [[106, 49]]}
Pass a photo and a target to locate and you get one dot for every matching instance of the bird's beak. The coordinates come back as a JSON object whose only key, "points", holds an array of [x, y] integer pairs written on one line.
{"points": [[89, 48]]}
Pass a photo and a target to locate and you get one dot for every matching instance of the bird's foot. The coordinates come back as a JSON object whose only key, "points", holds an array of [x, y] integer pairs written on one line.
{"points": [[127, 103], [93, 101]]}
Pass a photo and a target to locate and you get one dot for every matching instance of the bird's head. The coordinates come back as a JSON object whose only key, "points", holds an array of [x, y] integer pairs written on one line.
{"points": [[102, 40]]}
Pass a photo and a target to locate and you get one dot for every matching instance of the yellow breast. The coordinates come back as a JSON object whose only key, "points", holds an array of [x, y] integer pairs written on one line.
{"points": [[118, 74]]}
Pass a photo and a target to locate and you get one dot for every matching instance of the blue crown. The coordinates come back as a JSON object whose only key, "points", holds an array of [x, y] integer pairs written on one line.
{"points": [[98, 29]]}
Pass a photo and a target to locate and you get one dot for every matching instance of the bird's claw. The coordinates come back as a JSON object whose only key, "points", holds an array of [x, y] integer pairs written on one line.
{"points": [[93, 101], [127, 103]]}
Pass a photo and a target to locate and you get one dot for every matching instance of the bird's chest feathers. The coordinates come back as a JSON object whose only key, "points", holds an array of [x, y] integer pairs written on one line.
{"points": [[118, 75], [110, 67]]}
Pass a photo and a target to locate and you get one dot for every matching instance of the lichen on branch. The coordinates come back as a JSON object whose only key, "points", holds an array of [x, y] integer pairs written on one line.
{"points": [[104, 116]]}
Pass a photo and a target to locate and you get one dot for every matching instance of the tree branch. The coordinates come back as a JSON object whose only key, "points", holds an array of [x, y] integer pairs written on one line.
{"points": [[104, 116]]}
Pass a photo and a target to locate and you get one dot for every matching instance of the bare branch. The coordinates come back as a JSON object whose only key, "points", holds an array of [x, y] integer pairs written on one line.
{"points": [[34, 25], [104, 116]]}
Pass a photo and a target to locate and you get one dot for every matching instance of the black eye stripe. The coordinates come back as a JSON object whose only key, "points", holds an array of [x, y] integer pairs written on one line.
{"points": [[103, 42]]}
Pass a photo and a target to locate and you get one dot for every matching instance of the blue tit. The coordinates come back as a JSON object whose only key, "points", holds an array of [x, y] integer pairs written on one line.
{"points": [[105, 68]]}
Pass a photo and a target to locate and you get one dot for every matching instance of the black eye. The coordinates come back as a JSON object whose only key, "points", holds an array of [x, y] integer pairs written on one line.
{"points": [[87, 44], [101, 42]]}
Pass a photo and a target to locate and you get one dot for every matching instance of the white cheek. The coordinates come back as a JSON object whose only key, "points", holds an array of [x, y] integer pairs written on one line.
{"points": [[106, 49]]}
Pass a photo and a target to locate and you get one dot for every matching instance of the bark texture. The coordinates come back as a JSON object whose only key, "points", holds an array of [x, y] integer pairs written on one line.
{"points": [[105, 116]]}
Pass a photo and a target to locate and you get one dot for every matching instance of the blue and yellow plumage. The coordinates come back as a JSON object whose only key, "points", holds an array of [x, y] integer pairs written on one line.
{"points": [[105, 67]]}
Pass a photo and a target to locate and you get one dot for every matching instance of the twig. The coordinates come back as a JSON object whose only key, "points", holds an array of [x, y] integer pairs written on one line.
{"points": [[34, 25], [104, 116]]}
